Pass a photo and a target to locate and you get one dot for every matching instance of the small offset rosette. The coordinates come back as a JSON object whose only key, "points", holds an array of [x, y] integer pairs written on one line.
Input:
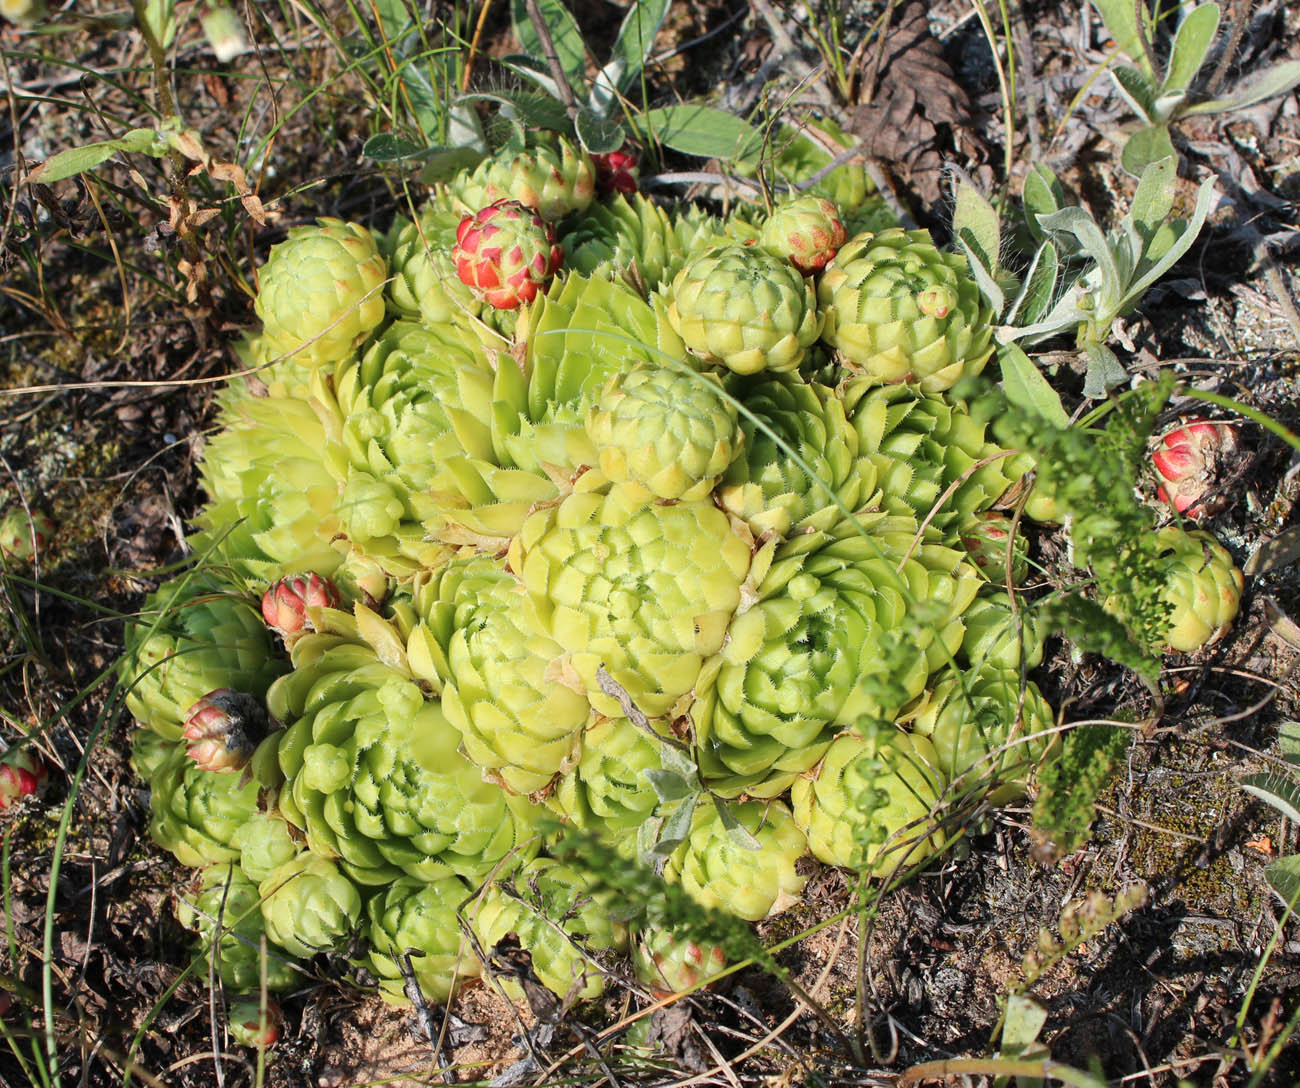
{"points": [[807, 231], [292, 606], [223, 729], [1189, 461], [22, 774], [506, 253]]}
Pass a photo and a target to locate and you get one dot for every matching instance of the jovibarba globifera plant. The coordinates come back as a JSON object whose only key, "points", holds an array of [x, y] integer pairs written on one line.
{"points": [[589, 610]]}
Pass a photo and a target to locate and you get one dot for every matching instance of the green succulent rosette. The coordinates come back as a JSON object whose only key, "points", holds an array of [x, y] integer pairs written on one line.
{"points": [[197, 814], [373, 772], [418, 919], [801, 466], [271, 509], [745, 309], [1203, 588], [631, 238], [320, 292], [571, 340], [193, 636], [998, 637], [582, 332], [509, 689], [309, 906], [561, 918], [425, 286], [265, 842], [607, 791], [226, 911], [645, 591], [797, 664], [635, 240], [673, 432], [872, 803], [751, 879], [987, 726], [924, 445], [391, 420], [552, 176], [900, 310]]}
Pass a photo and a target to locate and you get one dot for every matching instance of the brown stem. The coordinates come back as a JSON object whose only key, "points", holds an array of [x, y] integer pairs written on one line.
{"points": [[473, 44], [552, 59], [1140, 21], [1240, 19]]}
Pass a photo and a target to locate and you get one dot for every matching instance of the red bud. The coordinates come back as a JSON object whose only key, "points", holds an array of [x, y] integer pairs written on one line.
{"points": [[1188, 461], [285, 604]]}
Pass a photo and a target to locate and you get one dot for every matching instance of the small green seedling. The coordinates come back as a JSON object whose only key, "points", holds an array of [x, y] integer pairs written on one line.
{"points": [[566, 100], [1080, 278], [1161, 98]]}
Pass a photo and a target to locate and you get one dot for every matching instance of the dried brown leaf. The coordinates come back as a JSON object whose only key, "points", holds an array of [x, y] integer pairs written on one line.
{"points": [[918, 112]]}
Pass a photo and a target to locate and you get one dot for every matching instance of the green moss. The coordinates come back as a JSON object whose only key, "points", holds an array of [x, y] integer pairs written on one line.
{"points": [[1192, 805]]}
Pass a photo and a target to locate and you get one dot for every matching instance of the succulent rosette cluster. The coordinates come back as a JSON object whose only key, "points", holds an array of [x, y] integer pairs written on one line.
{"points": [[693, 539], [223, 906]]}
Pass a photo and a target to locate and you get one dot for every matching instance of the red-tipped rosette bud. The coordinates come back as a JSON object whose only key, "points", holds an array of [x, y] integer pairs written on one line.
{"points": [[669, 964], [248, 1025], [224, 728], [21, 774], [937, 301], [617, 171], [1188, 461], [23, 536], [506, 254], [807, 231], [285, 606], [984, 538]]}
